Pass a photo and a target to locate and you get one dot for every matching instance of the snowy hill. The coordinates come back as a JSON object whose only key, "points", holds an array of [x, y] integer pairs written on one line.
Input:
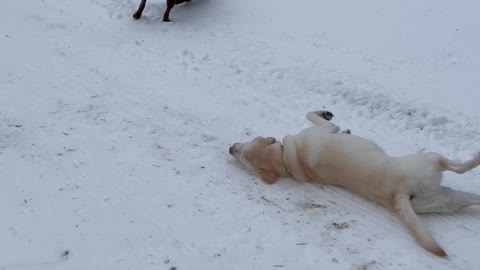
{"points": [[114, 133]]}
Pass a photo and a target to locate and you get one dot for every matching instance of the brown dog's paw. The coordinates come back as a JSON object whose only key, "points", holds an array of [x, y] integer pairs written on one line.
{"points": [[136, 15]]}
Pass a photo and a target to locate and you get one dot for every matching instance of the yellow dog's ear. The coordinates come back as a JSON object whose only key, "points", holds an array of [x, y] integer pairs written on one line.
{"points": [[270, 140], [267, 176]]}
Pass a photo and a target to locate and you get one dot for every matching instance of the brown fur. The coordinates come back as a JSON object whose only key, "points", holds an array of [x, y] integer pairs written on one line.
{"points": [[166, 14]]}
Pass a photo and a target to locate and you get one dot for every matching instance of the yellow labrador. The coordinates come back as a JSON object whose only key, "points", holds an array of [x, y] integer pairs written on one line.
{"points": [[406, 185]]}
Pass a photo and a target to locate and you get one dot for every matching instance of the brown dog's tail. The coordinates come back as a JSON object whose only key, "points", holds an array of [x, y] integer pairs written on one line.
{"points": [[415, 225]]}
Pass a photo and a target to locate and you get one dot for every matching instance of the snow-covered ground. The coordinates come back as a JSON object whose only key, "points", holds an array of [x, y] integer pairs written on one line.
{"points": [[114, 133]]}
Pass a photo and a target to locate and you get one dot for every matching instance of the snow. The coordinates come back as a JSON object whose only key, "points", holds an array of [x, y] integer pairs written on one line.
{"points": [[114, 133]]}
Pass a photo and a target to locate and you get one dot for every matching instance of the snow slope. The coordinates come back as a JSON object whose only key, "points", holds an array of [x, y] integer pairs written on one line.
{"points": [[114, 133]]}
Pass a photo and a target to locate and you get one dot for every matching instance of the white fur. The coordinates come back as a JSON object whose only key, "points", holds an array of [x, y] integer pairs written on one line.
{"points": [[406, 185]]}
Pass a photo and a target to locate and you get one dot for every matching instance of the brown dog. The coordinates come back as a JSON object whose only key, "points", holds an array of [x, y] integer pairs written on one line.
{"points": [[166, 15]]}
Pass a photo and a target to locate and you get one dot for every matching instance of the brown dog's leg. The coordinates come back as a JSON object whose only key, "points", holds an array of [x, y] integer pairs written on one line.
{"points": [[138, 14], [166, 15]]}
